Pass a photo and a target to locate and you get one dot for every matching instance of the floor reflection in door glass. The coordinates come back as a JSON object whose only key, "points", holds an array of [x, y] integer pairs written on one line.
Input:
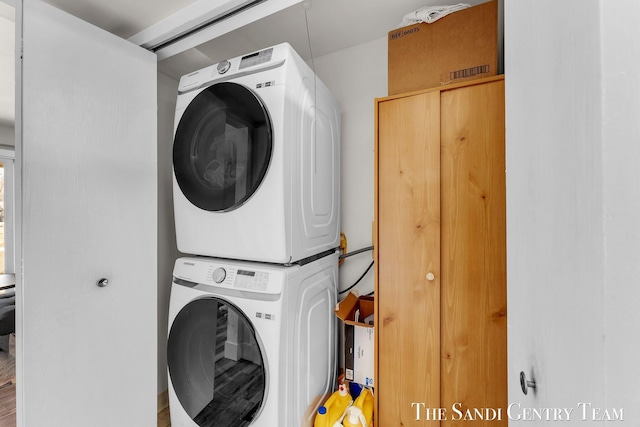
{"points": [[239, 385], [215, 364]]}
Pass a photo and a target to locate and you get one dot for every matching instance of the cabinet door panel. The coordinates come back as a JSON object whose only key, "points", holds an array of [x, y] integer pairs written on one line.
{"points": [[408, 246], [473, 250], [87, 205]]}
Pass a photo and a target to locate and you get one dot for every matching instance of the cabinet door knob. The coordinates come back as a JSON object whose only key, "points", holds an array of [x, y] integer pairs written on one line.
{"points": [[430, 276], [526, 384], [102, 282]]}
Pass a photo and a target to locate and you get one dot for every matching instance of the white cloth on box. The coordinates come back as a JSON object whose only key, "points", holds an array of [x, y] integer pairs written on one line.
{"points": [[430, 14]]}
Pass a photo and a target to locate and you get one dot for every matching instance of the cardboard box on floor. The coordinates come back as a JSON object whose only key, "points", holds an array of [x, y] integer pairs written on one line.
{"points": [[358, 338], [460, 46]]}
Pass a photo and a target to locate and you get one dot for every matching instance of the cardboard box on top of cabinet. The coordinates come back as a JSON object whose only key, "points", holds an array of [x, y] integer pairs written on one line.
{"points": [[457, 47], [358, 338]]}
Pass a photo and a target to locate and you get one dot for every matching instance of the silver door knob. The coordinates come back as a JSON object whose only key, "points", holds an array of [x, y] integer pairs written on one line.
{"points": [[526, 384], [102, 282]]}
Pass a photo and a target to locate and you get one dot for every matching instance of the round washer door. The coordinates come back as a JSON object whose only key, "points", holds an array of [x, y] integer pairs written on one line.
{"points": [[222, 147], [215, 364]]}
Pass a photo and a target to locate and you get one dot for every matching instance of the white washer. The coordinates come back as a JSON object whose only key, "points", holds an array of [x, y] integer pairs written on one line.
{"points": [[250, 344], [256, 160]]}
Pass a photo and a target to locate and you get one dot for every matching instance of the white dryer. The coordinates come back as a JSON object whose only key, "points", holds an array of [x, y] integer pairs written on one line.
{"points": [[250, 344], [256, 160]]}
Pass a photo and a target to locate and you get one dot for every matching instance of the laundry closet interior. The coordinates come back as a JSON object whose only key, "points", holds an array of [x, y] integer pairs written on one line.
{"points": [[285, 172]]}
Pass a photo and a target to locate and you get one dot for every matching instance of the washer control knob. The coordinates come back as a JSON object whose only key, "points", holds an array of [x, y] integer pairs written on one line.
{"points": [[224, 66], [219, 274]]}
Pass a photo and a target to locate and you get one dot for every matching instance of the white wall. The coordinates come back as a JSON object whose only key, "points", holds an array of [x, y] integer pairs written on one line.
{"points": [[356, 76], [7, 135], [167, 251], [621, 200]]}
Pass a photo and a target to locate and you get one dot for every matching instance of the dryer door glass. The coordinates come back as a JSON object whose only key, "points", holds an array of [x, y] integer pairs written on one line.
{"points": [[216, 365], [222, 147]]}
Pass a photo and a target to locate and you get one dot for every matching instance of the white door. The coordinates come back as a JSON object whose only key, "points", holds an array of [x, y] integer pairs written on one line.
{"points": [[555, 213], [87, 208]]}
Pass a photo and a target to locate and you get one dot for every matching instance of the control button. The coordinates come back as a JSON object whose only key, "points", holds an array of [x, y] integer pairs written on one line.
{"points": [[219, 274], [224, 66]]}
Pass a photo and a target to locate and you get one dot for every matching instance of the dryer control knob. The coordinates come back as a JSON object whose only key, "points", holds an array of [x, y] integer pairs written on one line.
{"points": [[224, 66], [219, 274]]}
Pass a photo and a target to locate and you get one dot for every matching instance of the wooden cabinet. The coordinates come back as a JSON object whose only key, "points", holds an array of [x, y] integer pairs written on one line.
{"points": [[441, 330]]}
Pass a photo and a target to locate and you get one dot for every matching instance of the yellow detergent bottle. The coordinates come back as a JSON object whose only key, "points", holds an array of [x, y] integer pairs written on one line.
{"points": [[361, 413], [333, 408]]}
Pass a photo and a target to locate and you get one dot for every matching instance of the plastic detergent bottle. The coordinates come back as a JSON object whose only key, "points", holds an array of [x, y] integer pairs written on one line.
{"points": [[361, 413], [321, 417], [333, 408]]}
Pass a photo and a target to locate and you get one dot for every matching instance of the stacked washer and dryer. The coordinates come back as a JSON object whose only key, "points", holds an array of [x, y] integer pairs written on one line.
{"points": [[252, 334]]}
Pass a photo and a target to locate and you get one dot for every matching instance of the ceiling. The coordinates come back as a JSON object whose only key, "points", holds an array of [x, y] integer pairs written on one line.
{"points": [[313, 28]]}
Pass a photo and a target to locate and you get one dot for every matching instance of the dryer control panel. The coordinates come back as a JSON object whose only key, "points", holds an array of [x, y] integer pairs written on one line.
{"points": [[256, 58], [263, 60]]}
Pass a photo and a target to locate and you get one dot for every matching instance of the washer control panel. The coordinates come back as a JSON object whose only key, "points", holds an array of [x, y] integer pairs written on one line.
{"points": [[253, 280], [240, 276]]}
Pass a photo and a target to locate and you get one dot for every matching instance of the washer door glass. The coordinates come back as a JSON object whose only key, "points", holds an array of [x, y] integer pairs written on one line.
{"points": [[222, 147], [215, 364]]}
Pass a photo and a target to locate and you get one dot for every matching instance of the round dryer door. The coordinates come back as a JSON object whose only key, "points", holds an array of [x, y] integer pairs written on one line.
{"points": [[215, 364], [222, 147]]}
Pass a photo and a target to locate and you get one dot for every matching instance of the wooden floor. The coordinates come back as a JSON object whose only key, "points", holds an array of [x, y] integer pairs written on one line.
{"points": [[8, 405], [163, 418], [7, 390]]}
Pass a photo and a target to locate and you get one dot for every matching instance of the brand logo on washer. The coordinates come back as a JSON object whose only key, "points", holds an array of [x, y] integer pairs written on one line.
{"points": [[190, 263]]}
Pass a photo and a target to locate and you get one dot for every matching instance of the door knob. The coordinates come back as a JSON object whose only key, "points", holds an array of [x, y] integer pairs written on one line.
{"points": [[526, 384], [102, 282]]}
